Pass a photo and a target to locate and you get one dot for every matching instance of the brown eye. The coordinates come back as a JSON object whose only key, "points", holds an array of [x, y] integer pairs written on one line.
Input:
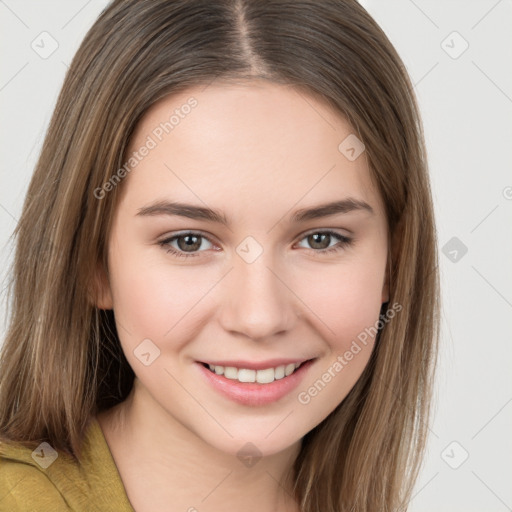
{"points": [[189, 243], [321, 241], [185, 244]]}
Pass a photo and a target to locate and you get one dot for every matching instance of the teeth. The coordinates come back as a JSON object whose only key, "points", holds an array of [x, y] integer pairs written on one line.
{"points": [[261, 376], [265, 376], [246, 375], [279, 372], [289, 368], [230, 372]]}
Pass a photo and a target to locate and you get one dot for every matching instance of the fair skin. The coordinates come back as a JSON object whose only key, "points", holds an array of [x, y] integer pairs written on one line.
{"points": [[257, 152]]}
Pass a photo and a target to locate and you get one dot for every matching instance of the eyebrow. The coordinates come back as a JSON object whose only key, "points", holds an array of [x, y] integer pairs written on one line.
{"points": [[190, 211]]}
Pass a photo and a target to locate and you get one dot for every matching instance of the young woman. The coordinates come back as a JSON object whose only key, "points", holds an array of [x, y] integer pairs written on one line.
{"points": [[225, 287]]}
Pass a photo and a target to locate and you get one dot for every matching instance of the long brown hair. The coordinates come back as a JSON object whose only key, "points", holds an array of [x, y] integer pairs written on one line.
{"points": [[61, 361]]}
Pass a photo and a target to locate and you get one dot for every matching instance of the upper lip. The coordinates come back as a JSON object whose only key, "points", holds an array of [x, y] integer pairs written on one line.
{"points": [[256, 365]]}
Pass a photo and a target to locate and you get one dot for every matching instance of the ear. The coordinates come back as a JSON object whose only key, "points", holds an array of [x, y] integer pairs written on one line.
{"points": [[100, 293]]}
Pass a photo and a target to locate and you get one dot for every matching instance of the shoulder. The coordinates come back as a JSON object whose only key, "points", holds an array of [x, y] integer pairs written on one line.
{"points": [[43, 479], [23, 486]]}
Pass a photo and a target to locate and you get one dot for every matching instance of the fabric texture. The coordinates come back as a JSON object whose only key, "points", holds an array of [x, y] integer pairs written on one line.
{"points": [[64, 485]]}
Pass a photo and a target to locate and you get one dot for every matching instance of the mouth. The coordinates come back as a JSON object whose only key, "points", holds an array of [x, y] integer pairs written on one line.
{"points": [[264, 375], [254, 384]]}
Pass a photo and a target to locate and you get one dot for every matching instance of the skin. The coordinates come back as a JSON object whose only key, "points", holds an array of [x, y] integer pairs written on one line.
{"points": [[258, 152]]}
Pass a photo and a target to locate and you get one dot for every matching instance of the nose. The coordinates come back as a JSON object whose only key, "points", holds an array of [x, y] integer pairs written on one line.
{"points": [[257, 302]]}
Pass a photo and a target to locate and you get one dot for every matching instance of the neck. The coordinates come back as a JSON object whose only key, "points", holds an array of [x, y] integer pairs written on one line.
{"points": [[183, 472]]}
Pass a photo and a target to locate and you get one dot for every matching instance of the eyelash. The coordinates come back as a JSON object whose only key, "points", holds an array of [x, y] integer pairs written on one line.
{"points": [[344, 242]]}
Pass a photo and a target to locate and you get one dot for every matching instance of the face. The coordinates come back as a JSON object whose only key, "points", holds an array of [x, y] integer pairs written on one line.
{"points": [[221, 255]]}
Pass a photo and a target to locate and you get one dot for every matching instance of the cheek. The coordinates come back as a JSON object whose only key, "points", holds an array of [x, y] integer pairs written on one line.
{"points": [[346, 301], [153, 300], [347, 304]]}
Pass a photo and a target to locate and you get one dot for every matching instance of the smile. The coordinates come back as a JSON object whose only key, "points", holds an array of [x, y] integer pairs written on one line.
{"points": [[261, 384], [264, 376]]}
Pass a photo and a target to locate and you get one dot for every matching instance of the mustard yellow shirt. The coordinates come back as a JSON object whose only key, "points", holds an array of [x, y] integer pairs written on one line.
{"points": [[26, 485]]}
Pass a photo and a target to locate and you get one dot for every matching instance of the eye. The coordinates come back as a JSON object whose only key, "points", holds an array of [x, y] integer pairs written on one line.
{"points": [[320, 241], [186, 244], [189, 244]]}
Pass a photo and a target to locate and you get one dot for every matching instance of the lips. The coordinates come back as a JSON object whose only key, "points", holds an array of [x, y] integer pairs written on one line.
{"points": [[251, 392], [255, 365]]}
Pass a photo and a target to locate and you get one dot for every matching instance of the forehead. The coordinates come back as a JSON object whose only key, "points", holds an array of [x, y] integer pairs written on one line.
{"points": [[249, 146]]}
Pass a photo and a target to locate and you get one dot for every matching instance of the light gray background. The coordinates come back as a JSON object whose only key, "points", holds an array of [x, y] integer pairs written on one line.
{"points": [[466, 101]]}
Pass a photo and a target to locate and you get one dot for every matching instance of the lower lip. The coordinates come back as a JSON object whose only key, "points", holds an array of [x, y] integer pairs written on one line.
{"points": [[252, 393]]}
